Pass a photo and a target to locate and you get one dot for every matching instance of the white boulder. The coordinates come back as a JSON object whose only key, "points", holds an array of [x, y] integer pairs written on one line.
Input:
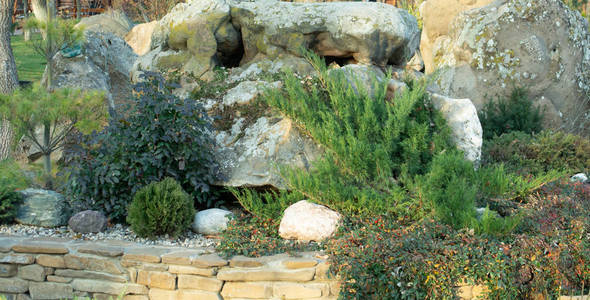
{"points": [[211, 221], [308, 222]]}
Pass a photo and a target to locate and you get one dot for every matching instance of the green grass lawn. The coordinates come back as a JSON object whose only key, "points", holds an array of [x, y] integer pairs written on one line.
{"points": [[29, 64]]}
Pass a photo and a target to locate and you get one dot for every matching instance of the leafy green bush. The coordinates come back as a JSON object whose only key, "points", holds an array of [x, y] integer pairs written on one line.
{"points": [[161, 208], [9, 202], [540, 153], [513, 114], [160, 136], [374, 146]]}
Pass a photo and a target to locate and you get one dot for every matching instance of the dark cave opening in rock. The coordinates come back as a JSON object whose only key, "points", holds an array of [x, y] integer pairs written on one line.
{"points": [[340, 61]]}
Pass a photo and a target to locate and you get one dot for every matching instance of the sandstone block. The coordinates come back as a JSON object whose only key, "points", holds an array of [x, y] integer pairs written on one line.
{"points": [[50, 290], [40, 247], [100, 250], [245, 262], [308, 221], [97, 286], [208, 261], [19, 259], [6, 244], [192, 270], [101, 296], [199, 283], [32, 272], [322, 271], [299, 263], [266, 274], [54, 261], [198, 295], [157, 294], [136, 297], [58, 279], [90, 275], [154, 279], [289, 290], [7, 270], [181, 257], [247, 290], [90, 263], [149, 255], [13, 285]]}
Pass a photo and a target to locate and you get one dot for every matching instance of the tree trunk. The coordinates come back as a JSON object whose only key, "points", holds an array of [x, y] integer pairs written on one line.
{"points": [[8, 76], [47, 150]]}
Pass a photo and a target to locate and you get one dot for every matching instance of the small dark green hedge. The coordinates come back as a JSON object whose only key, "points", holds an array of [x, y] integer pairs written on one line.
{"points": [[161, 208]]}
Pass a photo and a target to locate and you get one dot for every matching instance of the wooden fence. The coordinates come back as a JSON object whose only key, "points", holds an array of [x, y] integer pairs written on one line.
{"points": [[64, 8]]}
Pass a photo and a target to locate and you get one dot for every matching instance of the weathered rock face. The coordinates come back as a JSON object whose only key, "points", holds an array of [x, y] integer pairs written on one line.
{"points": [[140, 37], [104, 65], [43, 208], [308, 222], [211, 221], [370, 33], [88, 221], [112, 21], [541, 45], [194, 37], [437, 16], [199, 35]]}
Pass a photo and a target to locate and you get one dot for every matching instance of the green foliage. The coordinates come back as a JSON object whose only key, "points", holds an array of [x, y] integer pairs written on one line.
{"points": [[492, 224], [161, 208], [257, 236], [538, 154], [513, 114], [9, 202], [11, 174], [449, 187], [160, 136], [373, 145], [413, 7], [214, 88], [57, 34], [58, 113], [268, 205]]}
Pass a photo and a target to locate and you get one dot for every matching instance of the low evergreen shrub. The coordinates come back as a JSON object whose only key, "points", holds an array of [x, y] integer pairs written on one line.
{"points": [[161, 208], [374, 146], [9, 202], [515, 113], [544, 152], [160, 136]]}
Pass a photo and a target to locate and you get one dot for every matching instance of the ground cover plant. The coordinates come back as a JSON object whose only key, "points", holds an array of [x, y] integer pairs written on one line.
{"points": [[419, 219]]}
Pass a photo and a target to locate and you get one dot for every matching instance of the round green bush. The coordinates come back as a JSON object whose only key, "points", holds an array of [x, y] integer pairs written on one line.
{"points": [[161, 208]]}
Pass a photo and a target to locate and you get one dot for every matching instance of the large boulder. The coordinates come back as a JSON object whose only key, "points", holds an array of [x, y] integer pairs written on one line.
{"points": [[140, 37], [105, 65], [539, 44], [43, 208], [88, 221], [369, 33], [211, 221], [112, 21], [437, 17], [306, 221], [194, 37]]}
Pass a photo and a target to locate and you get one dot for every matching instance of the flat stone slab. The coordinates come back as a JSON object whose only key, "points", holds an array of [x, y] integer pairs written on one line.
{"points": [[265, 274], [209, 260], [101, 250], [150, 255], [19, 259], [184, 257], [36, 246]]}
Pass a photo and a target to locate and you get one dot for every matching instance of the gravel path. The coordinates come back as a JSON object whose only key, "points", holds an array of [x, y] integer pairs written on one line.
{"points": [[118, 232]]}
